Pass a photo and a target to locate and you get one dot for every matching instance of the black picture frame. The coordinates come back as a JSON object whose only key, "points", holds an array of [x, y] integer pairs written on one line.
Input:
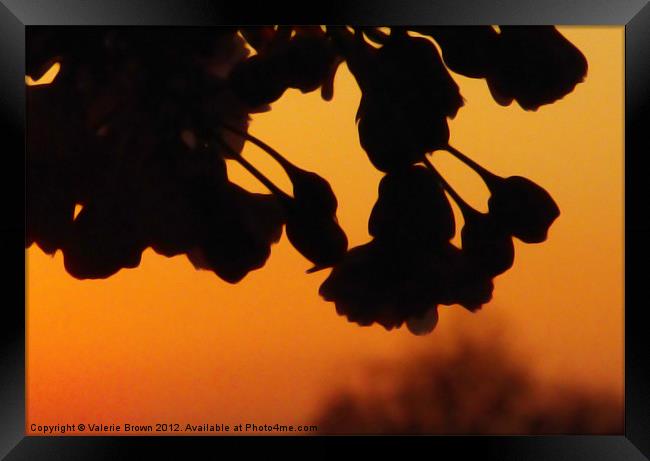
{"points": [[17, 15]]}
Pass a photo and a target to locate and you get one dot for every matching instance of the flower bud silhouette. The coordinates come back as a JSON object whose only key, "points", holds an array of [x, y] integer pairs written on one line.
{"points": [[312, 227], [526, 209], [311, 223], [317, 236], [412, 208], [312, 190]]}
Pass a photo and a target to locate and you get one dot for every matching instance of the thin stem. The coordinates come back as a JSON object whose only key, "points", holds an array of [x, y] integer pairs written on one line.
{"points": [[254, 171], [376, 35], [464, 206], [286, 164], [487, 176]]}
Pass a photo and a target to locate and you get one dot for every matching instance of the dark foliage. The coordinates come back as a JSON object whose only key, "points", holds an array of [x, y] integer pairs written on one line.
{"points": [[478, 389], [138, 124]]}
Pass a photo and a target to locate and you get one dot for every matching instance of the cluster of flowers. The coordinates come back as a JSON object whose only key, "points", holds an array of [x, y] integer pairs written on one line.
{"points": [[138, 125]]}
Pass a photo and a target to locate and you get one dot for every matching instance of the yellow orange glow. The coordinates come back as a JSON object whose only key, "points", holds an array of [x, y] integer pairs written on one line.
{"points": [[77, 210], [45, 79]]}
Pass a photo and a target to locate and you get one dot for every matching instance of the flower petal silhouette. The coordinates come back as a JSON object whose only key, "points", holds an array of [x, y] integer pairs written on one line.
{"points": [[385, 283], [379, 283]]}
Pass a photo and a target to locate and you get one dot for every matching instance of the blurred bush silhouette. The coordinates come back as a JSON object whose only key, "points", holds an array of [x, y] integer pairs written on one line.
{"points": [[477, 388], [136, 128]]}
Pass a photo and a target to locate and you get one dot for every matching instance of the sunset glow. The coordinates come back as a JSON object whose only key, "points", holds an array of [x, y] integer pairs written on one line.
{"points": [[167, 343]]}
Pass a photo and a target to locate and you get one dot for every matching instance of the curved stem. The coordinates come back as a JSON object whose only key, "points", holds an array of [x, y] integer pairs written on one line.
{"points": [[375, 35], [278, 157], [486, 175], [464, 206], [254, 171]]}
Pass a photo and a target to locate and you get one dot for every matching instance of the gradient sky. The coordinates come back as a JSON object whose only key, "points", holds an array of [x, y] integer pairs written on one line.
{"points": [[167, 343]]}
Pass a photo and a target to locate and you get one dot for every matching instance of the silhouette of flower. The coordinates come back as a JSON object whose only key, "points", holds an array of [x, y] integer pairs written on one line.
{"points": [[380, 283], [311, 223], [518, 205], [305, 61], [411, 208], [236, 232], [138, 133], [138, 124], [391, 284], [407, 95], [534, 66], [409, 268]]}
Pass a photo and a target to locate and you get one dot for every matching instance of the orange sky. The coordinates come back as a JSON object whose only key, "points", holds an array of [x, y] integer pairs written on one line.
{"points": [[166, 343]]}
